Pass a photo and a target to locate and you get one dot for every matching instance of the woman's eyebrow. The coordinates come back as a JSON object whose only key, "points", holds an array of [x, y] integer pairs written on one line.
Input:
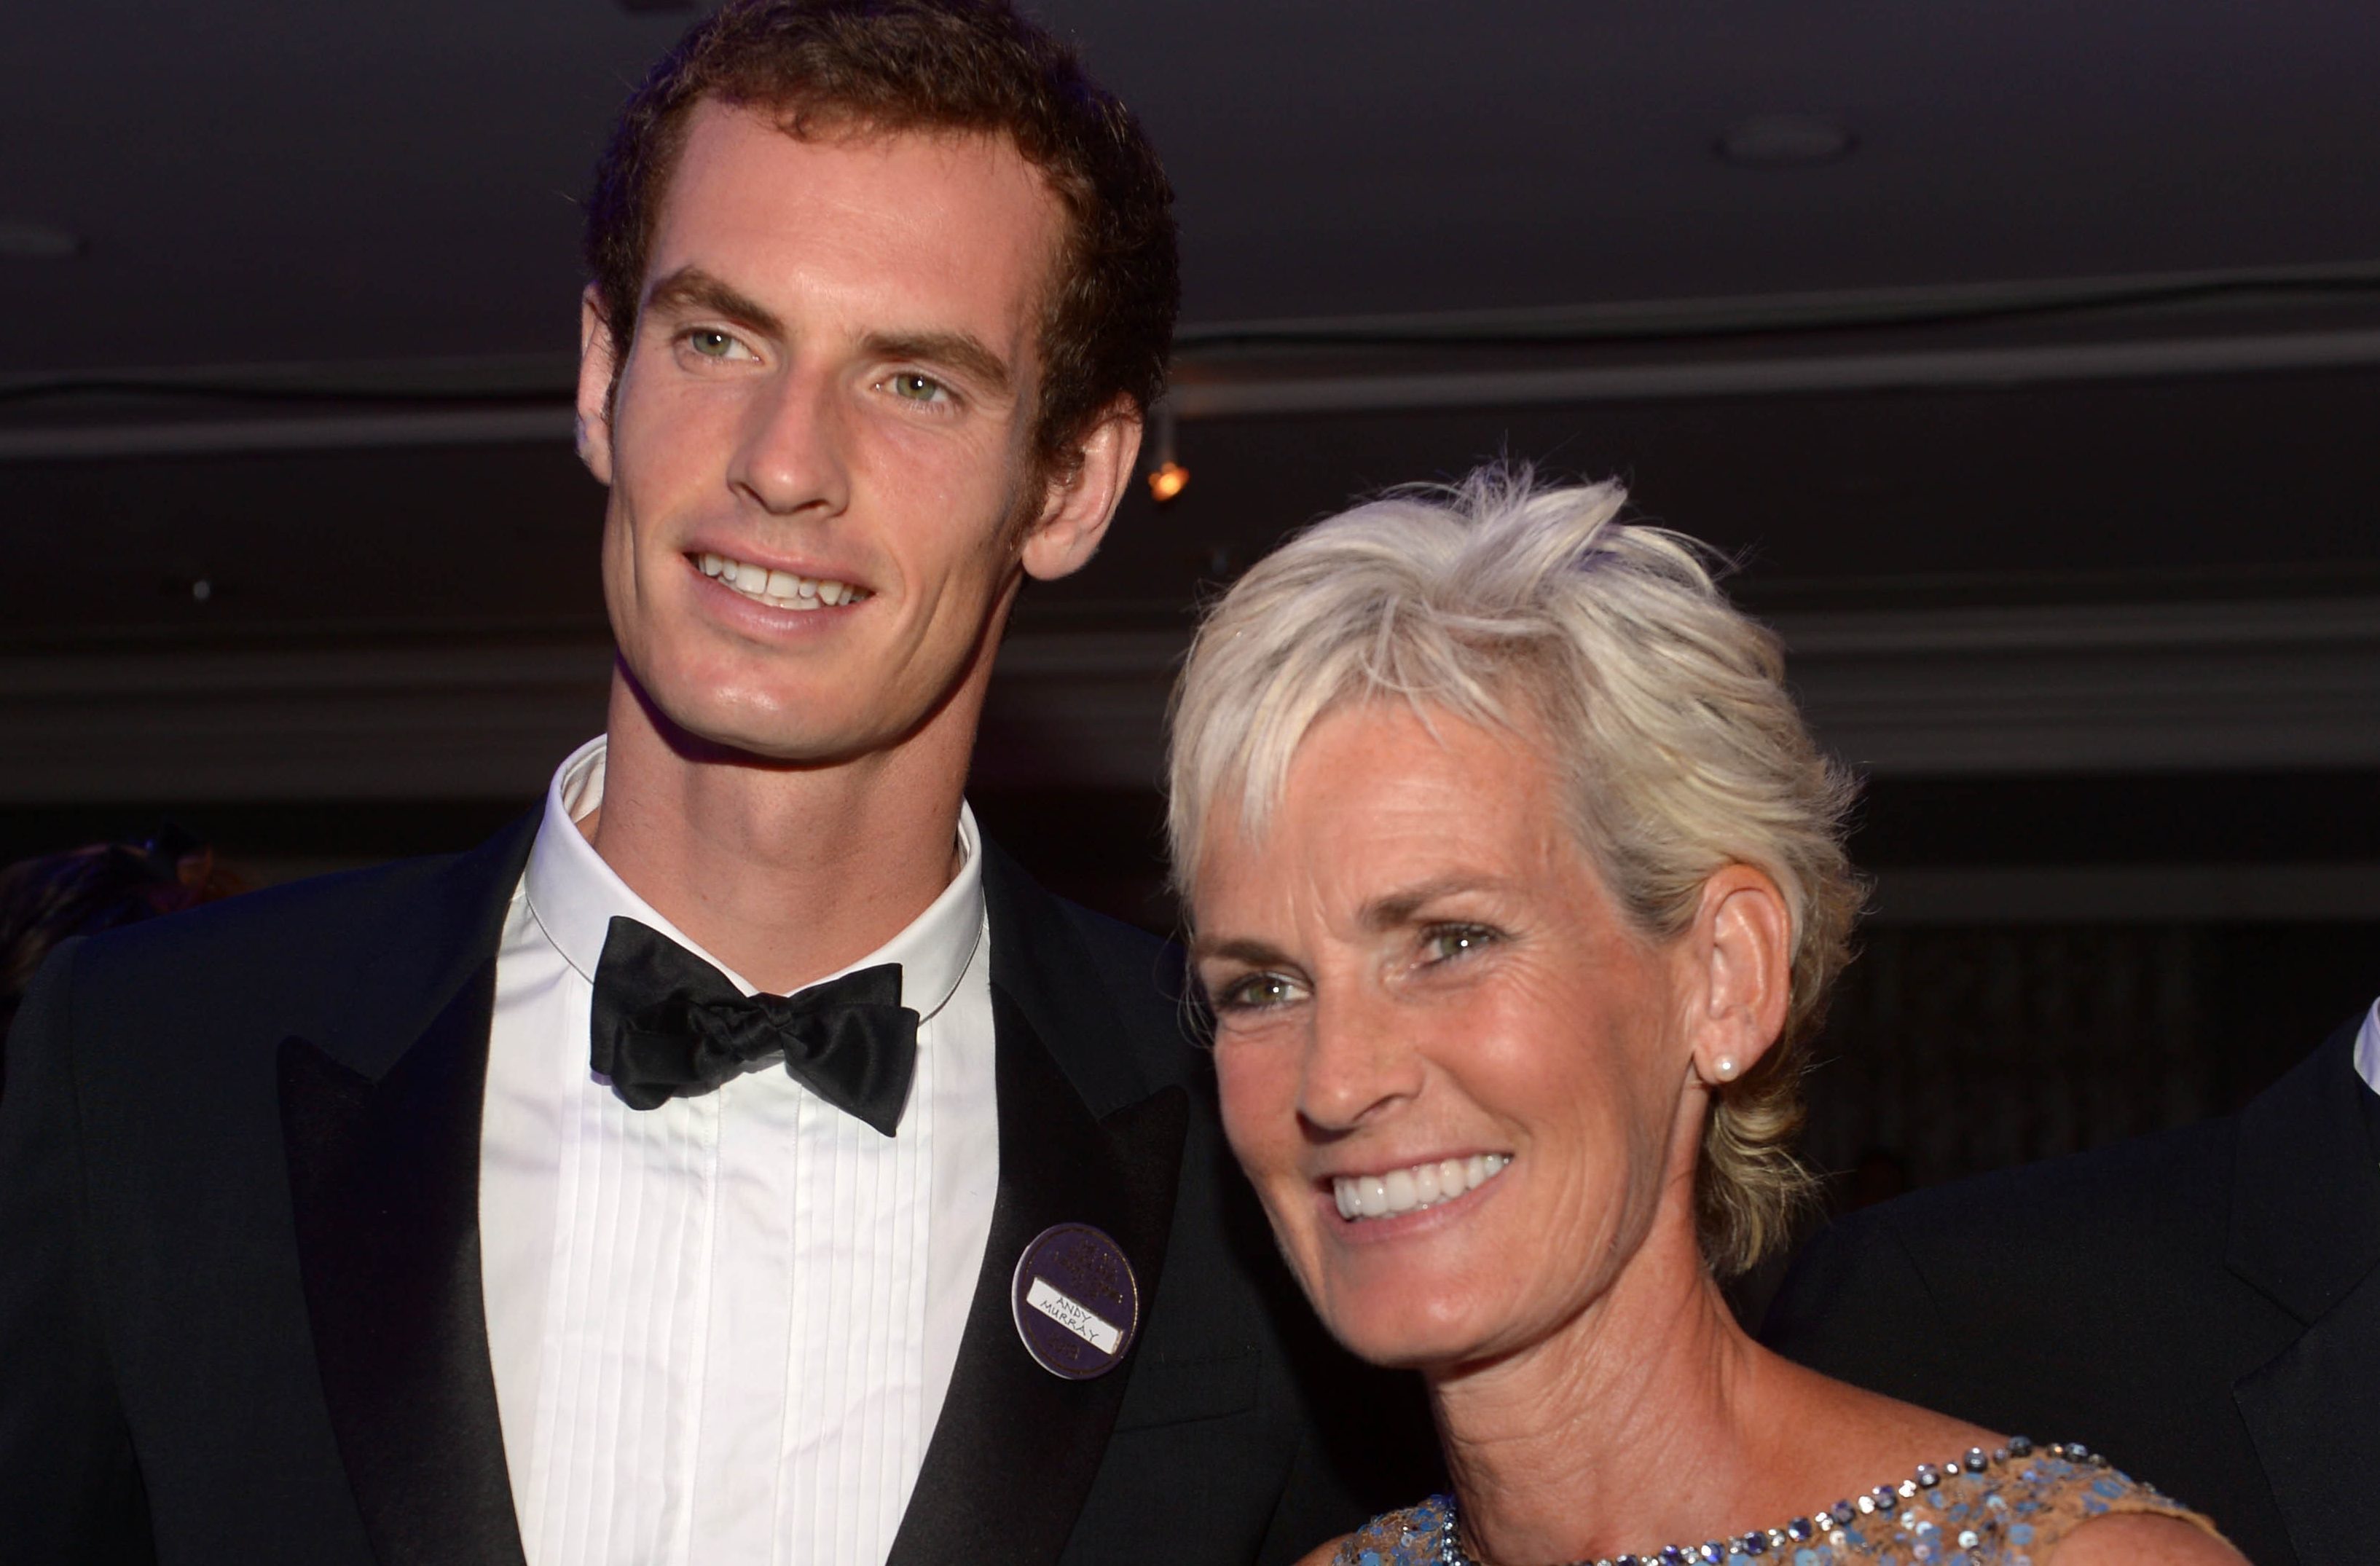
{"points": [[1399, 907], [1255, 954]]}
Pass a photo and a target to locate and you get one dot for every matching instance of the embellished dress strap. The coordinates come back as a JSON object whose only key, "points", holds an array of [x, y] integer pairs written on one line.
{"points": [[2009, 1508], [1396, 1538], [2016, 1515]]}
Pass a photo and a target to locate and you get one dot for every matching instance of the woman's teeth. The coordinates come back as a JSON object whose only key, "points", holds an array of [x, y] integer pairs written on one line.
{"points": [[1405, 1189], [779, 589]]}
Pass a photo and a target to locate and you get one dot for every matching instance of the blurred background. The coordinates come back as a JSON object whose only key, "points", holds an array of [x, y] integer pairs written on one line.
{"points": [[2025, 357]]}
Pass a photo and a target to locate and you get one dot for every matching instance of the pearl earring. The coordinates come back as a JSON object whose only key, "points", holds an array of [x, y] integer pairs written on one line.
{"points": [[1725, 1068]]}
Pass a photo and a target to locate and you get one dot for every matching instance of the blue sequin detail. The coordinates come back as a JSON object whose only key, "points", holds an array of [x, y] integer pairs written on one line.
{"points": [[2009, 1514]]}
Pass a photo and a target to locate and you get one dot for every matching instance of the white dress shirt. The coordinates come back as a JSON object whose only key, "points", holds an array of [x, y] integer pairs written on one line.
{"points": [[722, 1328], [2367, 1048]]}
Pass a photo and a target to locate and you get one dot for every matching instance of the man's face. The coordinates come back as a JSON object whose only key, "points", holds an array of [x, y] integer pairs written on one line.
{"points": [[818, 447]]}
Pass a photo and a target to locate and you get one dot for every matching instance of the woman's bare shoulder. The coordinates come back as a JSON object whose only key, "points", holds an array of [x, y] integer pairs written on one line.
{"points": [[1850, 1431], [2148, 1530], [1324, 1554], [2143, 1539]]}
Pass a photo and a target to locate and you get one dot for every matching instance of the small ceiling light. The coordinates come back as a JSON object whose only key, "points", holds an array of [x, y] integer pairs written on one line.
{"points": [[1169, 477], [23, 240], [1785, 142]]}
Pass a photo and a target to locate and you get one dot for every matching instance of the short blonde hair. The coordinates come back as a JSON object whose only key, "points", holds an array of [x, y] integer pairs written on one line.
{"points": [[1663, 706]]}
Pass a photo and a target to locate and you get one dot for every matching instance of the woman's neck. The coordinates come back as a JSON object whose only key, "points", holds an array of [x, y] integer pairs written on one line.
{"points": [[1644, 1422]]}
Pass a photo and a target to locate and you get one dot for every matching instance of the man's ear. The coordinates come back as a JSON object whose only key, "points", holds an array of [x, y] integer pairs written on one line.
{"points": [[1076, 514], [598, 362]]}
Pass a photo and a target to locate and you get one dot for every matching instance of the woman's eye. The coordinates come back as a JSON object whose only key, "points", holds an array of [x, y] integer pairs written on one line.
{"points": [[910, 386], [1256, 992], [1447, 942]]}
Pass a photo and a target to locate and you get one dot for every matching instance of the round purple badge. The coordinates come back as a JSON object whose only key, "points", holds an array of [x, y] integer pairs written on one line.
{"points": [[1077, 1304]]}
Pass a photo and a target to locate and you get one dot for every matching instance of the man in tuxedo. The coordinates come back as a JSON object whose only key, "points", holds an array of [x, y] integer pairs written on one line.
{"points": [[2204, 1306], [473, 1209]]}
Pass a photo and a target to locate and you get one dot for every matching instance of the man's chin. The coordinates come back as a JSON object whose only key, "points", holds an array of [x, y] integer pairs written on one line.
{"points": [[778, 732], [739, 740]]}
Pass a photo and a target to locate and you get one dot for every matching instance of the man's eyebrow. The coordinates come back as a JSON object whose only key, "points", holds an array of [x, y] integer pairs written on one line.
{"points": [[692, 291], [962, 351]]}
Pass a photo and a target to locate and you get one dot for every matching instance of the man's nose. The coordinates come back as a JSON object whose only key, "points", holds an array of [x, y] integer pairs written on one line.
{"points": [[792, 458], [1359, 1063]]}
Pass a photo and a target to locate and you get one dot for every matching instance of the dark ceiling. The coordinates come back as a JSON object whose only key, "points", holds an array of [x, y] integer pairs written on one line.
{"points": [[278, 180]]}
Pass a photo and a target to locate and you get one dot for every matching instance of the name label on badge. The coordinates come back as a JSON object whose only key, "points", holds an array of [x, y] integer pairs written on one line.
{"points": [[1075, 1301], [1074, 1316]]}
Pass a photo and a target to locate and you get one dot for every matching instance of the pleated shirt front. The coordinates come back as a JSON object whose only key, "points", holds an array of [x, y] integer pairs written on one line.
{"points": [[722, 1329]]}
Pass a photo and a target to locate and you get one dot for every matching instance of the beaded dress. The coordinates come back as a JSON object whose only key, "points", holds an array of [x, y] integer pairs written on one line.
{"points": [[2006, 1508]]}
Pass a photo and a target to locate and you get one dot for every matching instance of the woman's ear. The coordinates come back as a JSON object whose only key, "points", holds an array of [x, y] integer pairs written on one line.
{"points": [[1078, 507], [1741, 957]]}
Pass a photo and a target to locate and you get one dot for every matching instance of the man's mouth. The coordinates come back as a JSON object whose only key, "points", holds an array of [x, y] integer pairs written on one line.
{"points": [[1420, 1186], [779, 589]]}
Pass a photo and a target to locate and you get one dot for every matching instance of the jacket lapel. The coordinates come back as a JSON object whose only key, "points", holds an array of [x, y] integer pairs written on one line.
{"points": [[1016, 1448], [384, 1179], [2313, 1414], [2305, 1231]]}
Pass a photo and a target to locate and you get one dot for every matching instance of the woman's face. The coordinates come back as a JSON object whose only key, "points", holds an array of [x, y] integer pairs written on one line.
{"points": [[1430, 1014]]}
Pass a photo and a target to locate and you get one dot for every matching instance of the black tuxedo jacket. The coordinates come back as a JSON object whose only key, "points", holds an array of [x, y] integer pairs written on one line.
{"points": [[240, 1312], [2202, 1306]]}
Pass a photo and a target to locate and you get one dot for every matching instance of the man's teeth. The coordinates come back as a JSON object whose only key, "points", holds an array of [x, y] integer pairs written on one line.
{"points": [[779, 589], [1424, 1185]]}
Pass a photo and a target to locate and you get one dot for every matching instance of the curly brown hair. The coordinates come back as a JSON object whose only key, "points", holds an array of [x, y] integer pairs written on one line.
{"points": [[827, 67]]}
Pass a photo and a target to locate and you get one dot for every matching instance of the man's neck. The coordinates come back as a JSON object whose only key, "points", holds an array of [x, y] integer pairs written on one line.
{"points": [[786, 874]]}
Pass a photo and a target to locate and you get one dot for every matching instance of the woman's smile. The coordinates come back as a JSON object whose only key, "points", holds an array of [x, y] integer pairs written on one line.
{"points": [[1414, 1187]]}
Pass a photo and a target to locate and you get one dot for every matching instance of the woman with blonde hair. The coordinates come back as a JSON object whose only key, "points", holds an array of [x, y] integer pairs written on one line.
{"points": [[1516, 886]]}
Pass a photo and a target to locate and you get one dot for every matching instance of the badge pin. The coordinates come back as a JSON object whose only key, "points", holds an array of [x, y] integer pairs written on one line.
{"points": [[1076, 1301]]}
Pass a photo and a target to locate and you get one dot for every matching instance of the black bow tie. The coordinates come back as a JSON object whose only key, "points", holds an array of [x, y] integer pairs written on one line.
{"points": [[670, 1026]]}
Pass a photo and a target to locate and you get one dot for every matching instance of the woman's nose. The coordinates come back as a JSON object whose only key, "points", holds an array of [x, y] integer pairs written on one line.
{"points": [[1359, 1063]]}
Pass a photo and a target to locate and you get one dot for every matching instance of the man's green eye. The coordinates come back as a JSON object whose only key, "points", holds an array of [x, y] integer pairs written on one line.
{"points": [[711, 344], [915, 388]]}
